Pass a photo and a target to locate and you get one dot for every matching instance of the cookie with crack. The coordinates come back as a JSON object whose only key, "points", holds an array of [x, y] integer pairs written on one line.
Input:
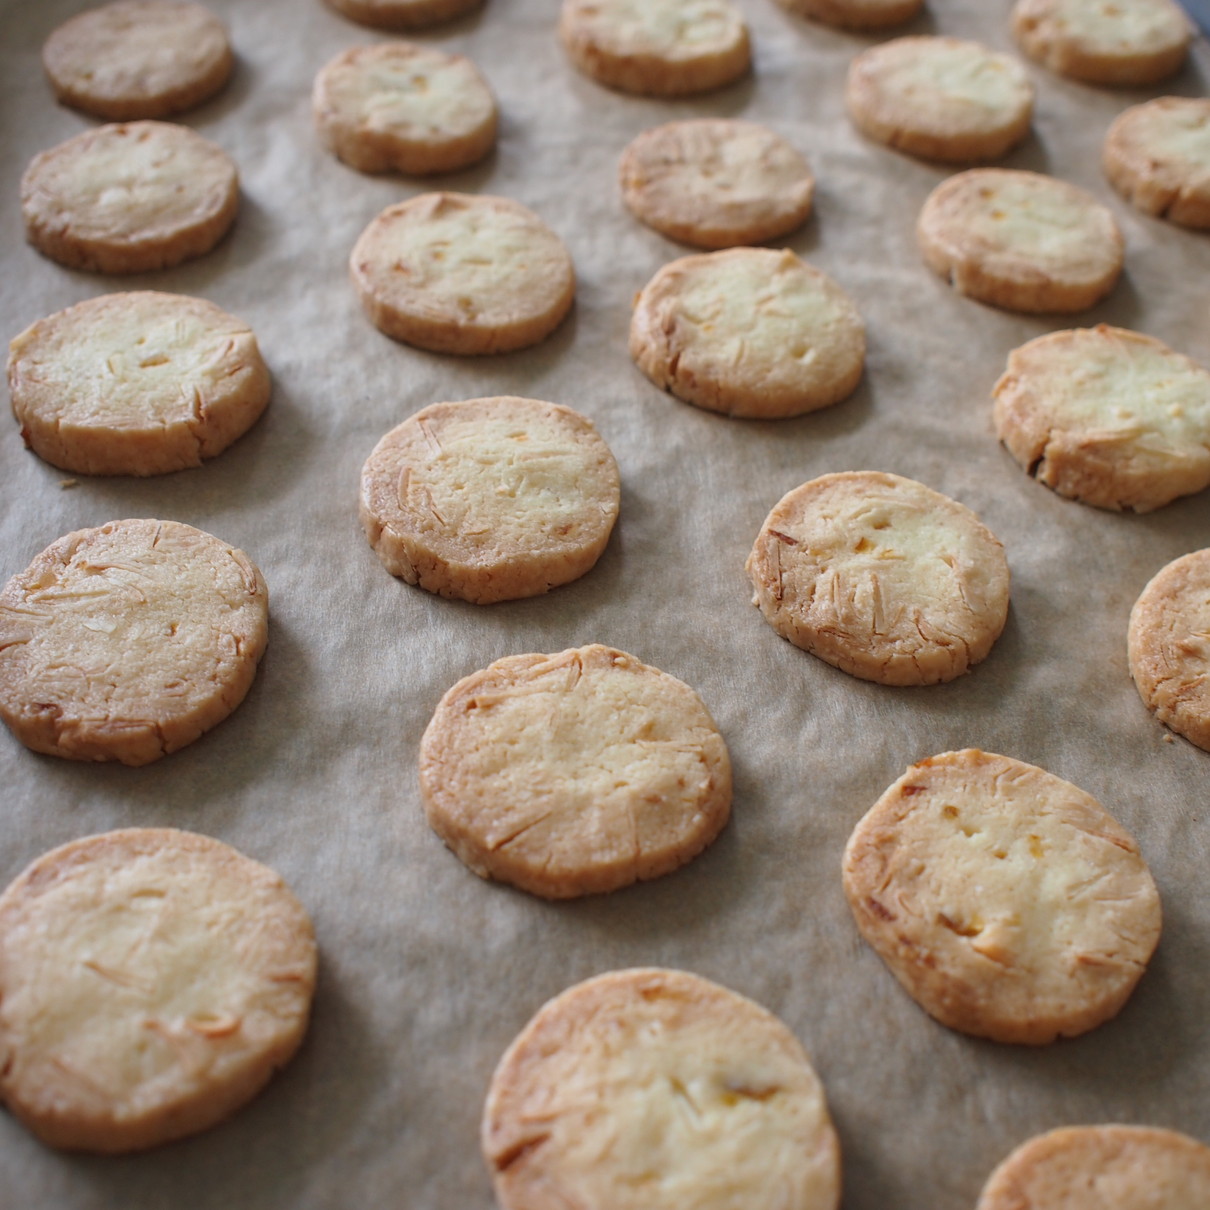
{"points": [[655, 1089], [404, 14], [574, 773], [856, 14], [1007, 902]]}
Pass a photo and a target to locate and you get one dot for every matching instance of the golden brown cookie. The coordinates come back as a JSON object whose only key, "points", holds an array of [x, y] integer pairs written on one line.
{"points": [[856, 14], [404, 14]]}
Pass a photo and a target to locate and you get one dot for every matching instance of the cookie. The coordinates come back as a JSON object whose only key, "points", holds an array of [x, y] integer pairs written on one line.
{"points": [[750, 332], [856, 14], [941, 98], [399, 106], [128, 641], [656, 48], [138, 59], [575, 773], [135, 384], [881, 577], [151, 981], [1021, 240], [456, 273], [1168, 647], [1102, 1168], [1158, 156], [1107, 416], [403, 14], [490, 499], [1126, 42], [129, 198], [716, 182], [1008, 903], [656, 1089]]}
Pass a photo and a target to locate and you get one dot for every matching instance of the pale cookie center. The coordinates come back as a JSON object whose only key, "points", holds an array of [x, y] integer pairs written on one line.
{"points": [[1037, 224], [954, 76], [425, 98], [1119, 26], [1175, 136], [672, 29]]}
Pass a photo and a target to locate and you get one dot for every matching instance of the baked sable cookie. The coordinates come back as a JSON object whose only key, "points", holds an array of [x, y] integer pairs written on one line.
{"points": [[1126, 42], [716, 182], [128, 198], [151, 981], [1168, 647], [399, 106], [575, 773], [403, 14], [751, 332], [138, 59], [1008, 903], [128, 641], [457, 273], [136, 384], [490, 499], [1021, 240], [1107, 416], [856, 14], [656, 48], [1158, 156], [941, 98], [1102, 1168], [881, 577], [656, 1089]]}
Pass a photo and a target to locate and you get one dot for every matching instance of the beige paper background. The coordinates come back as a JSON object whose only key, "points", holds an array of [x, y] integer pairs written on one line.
{"points": [[427, 972]]}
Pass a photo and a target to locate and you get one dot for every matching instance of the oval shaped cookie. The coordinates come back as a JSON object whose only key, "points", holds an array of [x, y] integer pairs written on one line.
{"points": [[136, 384], [658, 1090], [881, 577], [404, 14], [750, 332], [1008, 903], [456, 273], [151, 981], [128, 641], [129, 198], [574, 773], [856, 14]]}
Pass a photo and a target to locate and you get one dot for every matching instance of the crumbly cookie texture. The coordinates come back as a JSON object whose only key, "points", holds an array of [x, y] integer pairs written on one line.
{"points": [[130, 197], [1021, 240], [128, 641], [1126, 42], [941, 98], [490, 499], [457, 273], [136, 384], [574, 773], [658, 48], [1007, 902], [403, 14], [716, 182], [1107, 416], [399, 106], [751, 332], [856, 14], [656, 1089], [151, 981], [1102, 1168], [881, 577], [138, 59]]}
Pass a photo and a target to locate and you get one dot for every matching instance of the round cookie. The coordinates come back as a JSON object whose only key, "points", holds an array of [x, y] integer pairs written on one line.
{"points": [[656, 1089], [856, 14], [1102, 1168], [138, 59], [1158, 156], [129, 198], [941, 98], [403, 14], [1107, 416], [1168, 648], [490, 499], [750, 332], [136, 384], [457, 273], [399, 106], [1008, 903], [1126, 42], [656, 48], [128, 641], [716, 182], [151, 981], [881, 577], [575, 773], [1020, 240]]}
